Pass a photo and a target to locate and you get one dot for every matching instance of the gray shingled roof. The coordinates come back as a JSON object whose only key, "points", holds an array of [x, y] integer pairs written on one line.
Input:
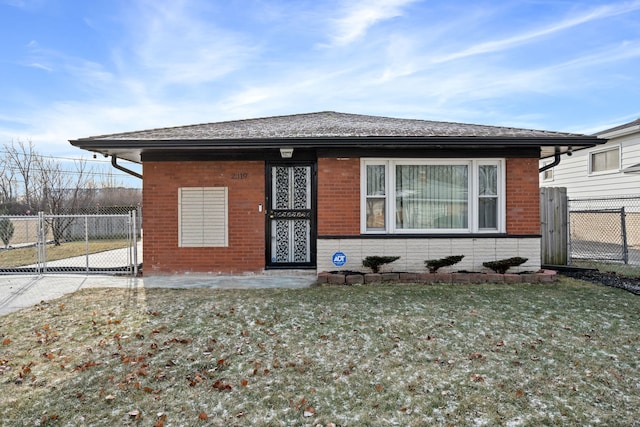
{"points": [[327, 124], [328, 130]]}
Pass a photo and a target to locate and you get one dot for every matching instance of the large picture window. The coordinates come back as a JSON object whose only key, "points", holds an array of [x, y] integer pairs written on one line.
{"points": [[402, 196]]}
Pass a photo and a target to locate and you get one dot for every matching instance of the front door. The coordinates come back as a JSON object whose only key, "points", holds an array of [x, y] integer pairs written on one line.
{"points": [[291, 215]]}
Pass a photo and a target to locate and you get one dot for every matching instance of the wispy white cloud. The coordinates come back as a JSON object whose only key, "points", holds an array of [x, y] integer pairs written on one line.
{"points": [[40, 66], [177, 46], [359, 16], [527, 37], [85, 73], [604, 55], [607, 123], [25, 4], [400, 59]]}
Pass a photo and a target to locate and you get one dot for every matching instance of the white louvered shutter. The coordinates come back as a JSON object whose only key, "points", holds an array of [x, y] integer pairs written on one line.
{"points": [[203, 217]]}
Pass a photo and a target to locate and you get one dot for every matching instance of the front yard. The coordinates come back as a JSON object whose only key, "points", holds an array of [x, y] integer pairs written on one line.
{"points": [[564, 353], [18, 257]]}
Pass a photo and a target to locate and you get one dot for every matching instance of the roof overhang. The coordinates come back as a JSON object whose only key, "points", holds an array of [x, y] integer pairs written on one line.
{"points": [[134, 149]]}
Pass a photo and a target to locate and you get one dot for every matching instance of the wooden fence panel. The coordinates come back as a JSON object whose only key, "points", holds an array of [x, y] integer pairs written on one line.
{"points": [[554, 222]]}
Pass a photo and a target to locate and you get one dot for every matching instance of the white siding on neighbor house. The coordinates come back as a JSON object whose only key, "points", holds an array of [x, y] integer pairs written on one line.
{"points": [[203, 217], [414, 252], [573, 171]]}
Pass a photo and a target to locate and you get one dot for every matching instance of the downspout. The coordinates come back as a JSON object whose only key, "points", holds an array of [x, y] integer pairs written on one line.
{"points": [[556, 160], [114, 159]]}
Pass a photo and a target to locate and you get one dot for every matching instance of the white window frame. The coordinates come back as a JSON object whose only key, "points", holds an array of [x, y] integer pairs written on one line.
{"points": [[548, 175], [365, 197], [472, 201], [604, 150], [203, 217]]}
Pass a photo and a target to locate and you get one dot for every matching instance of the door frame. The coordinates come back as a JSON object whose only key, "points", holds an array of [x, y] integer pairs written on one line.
{"points": [[313, 230]]}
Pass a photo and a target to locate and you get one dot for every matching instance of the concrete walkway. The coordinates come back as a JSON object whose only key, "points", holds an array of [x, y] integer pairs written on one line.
{"points": [[114, 259], [21, 291]]}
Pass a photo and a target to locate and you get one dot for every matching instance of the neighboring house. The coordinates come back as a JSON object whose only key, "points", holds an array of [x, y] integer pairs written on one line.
{"points": [[324, 190], [608, 170], [603, 187]]}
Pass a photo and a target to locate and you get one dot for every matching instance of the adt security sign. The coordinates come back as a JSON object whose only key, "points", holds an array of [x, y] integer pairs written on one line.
{"points": [[339, 259]]}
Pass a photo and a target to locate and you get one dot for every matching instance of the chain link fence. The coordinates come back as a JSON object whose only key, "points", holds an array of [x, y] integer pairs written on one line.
{"points": [[89, 243], [605, 230]]}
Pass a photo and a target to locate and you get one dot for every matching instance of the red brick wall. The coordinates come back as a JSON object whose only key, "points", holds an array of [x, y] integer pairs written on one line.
{"points": [[246, 250], [523, 196], [338, 197], [338, 209]]}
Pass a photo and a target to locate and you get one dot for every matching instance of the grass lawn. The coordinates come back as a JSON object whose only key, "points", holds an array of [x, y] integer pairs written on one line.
{"points": [[557, 354], [25, 256]]}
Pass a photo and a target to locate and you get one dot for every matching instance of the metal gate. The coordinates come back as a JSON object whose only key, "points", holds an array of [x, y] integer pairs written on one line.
{"points": [[45, 243]]}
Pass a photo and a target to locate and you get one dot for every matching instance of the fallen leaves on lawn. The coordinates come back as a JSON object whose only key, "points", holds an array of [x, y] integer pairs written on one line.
{"points": [[222, 386], [86, 365], [46, 418], [160, 420], [146, 358], [134, 413], [477, 378], [24, 371]]}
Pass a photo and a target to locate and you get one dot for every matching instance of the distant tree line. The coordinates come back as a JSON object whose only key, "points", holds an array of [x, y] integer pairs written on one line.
{"points": [[32, 183]]}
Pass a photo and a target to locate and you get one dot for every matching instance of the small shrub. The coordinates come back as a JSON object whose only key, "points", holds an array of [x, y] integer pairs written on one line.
{"points": [[434, 264], [501, 266], [6, 231], [375, 262]]}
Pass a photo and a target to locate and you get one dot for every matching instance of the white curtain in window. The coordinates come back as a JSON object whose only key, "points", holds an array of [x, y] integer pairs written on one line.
{"points": [[376, 198], [375, 180], [605, 160], [432, 196], [488, 196]]}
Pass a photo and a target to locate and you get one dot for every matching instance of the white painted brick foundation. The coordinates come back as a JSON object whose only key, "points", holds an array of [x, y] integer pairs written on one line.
{"points": [[414, 252]]}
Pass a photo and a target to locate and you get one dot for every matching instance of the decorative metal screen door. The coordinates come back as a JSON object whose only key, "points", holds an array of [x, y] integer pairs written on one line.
{"points": [[290, 216]]}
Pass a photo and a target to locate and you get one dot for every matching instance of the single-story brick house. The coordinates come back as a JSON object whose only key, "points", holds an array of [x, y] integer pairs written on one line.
{"points": [[324, 190]]}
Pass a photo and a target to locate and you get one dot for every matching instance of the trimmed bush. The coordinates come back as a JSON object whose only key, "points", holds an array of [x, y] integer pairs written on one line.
{"points": [[375, 262], [434, 264], [6, 231], [501, 266]]}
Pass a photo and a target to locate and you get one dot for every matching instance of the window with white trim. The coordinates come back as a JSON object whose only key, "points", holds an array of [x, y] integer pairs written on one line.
{"points": [[605, 160], [548, 174], [203, 217], [432, 196]]}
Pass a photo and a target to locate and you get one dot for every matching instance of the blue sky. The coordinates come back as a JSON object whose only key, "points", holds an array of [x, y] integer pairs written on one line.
{"points": [[71, 69]]}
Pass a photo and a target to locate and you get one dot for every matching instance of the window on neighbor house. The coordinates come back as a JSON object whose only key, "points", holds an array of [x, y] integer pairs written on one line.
{"points": [[605, 160], [410, 196], [203, 217], [548, 174]]}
